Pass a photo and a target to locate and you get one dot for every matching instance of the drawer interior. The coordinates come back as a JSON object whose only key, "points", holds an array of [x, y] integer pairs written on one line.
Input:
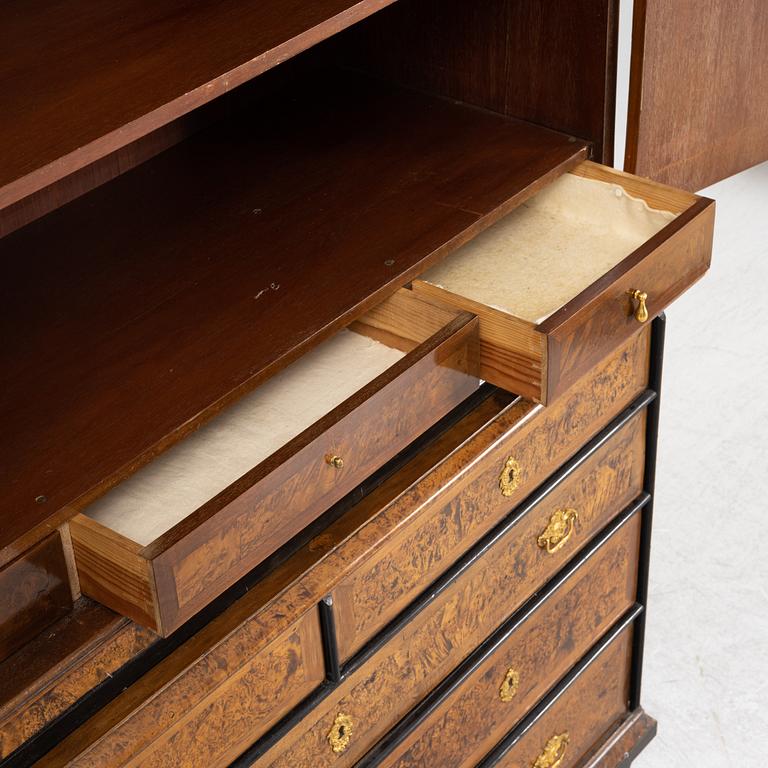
{"points": [[164, 492], [554, 281], [547, 251]]}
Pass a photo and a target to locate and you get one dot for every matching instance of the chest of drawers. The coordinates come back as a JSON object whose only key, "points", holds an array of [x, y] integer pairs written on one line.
{"points": [[333, 388]]}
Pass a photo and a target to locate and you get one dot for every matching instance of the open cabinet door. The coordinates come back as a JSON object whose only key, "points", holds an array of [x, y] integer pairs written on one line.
{"points": [[698, 94]]}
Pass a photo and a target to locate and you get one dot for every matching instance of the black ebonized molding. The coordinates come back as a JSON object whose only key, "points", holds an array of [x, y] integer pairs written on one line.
{"points": [[658, 330], [293, 718], [437, 697], [330, 644]]}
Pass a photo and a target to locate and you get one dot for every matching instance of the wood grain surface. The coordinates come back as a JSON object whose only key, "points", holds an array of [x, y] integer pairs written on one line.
{"points": [[542, 361], [551, 63], [34, 592], [586, 328], [78, 82], [129, 723], [216, 709], [163, 584], [56, 669], [450, 522], [595, 703], [540, 651], [698, 94], [399, 675], [144, 321]]}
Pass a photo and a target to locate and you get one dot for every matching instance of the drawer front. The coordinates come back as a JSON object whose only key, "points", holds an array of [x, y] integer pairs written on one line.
{"points": [[454, 519], [397, 676], [592, 705], [210, 712], [525, 665], [166, 582], [540, 349], [605, 314]]}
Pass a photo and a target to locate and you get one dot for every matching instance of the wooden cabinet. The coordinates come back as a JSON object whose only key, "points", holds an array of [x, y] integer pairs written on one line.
{"points": [[332, 352]]}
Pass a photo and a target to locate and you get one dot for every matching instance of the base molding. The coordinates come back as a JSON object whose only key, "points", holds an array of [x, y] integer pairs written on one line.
{"points": [[622, 745]]}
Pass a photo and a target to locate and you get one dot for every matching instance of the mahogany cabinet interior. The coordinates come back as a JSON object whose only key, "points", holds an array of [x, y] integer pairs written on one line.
{"points": [[331, 351]]}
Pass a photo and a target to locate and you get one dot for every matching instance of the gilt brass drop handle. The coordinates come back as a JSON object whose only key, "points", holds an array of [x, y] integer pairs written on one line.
{"points": [[332, 460], [554, 752], [509, 685], [560, 528], [641, 297], [509, 479], [341, 733]]}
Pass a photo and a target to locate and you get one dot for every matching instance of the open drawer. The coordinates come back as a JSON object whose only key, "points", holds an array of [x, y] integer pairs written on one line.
{"points": [[568, 276], [162, 544]]}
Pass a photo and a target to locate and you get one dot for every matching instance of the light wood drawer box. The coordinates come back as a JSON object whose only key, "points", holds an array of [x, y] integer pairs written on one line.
{"points": [[551, 282], [454, 518], [169, 539], [467, 608], [579, 716], [527, 660]]}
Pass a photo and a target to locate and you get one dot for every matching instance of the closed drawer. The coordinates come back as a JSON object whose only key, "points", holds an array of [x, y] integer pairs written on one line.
{"points": [[519, 667], [552, 283], [467, 608], [454, 517], [161, 545], [215, 698], [578, 717]]}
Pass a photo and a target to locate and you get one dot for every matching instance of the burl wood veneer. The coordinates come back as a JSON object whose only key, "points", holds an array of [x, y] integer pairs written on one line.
{"points": [[396, 677], [60, 666], [446, 527], [386, 180], [579, 718], [522, 668], [185, 681]]}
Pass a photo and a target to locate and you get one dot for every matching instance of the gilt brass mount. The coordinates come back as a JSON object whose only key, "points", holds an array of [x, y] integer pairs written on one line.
{"points": [[509, 685], [341, 733], [555, 536], [553, 752], [334, 461], [641, 297], [509, 479]]}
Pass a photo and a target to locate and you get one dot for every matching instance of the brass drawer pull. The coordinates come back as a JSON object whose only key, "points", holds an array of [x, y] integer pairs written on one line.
{"points": [[509, 479], [341, 732], [554, 752], [509, 685], [641, 297], [334, 461], [555, 536]]}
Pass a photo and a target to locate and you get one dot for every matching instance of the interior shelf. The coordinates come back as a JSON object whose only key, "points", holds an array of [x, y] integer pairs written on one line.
{"points": [[78, 81], [187, 281]]}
